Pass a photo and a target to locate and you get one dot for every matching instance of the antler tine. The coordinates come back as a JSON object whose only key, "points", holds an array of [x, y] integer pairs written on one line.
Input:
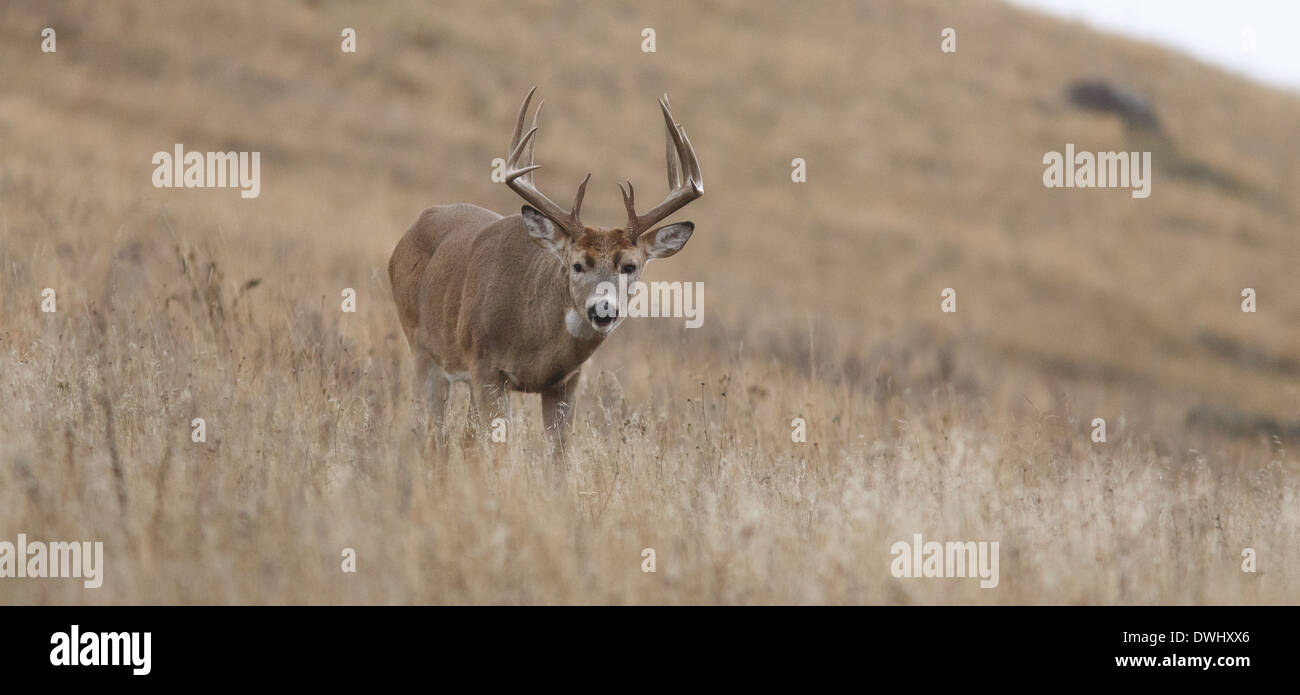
{"points": [[577, 199], [685, 181], [674, 146], [519, 122], [628, 200], [520, 179], [687, 162], [519, 147], [674, 164], [694, 172], [537, 116]]}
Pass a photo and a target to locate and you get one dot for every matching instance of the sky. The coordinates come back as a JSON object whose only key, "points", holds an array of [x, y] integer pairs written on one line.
{"points": [[1256, 38]]}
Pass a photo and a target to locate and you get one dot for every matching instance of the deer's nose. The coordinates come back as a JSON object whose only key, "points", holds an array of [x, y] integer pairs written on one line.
{"points": [[603, 311]]}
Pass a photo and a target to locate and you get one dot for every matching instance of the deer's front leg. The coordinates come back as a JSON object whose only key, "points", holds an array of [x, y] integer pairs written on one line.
{"points": [[558, 411], [489, 402], [433, 401]]}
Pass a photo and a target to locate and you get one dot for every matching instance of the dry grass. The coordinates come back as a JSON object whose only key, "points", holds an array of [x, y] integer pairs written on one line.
{"points": [[821, 299]]}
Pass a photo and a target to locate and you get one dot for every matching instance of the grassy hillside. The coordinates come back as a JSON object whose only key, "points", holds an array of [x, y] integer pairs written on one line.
{"points": [[822, 302]]}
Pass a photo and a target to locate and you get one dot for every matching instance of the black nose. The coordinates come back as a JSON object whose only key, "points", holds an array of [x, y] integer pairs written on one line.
{"points": [[603, 312]]}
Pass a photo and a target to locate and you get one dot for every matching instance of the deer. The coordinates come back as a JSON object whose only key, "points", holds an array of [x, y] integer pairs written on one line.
{"points": [[518, 303]]}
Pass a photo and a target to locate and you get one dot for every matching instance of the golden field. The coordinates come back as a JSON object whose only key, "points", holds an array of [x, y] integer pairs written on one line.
{"points": [[822, 301]]}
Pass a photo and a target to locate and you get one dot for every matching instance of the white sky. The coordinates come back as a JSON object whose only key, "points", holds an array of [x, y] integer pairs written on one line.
{"points": [[1257, 38]]}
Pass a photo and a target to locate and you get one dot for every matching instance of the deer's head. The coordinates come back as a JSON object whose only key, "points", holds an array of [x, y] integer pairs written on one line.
{"points": [[593, 258]]}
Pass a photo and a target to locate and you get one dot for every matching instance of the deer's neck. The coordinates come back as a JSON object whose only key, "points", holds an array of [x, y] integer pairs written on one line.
{"points": [[565, 325], [578, 327]]}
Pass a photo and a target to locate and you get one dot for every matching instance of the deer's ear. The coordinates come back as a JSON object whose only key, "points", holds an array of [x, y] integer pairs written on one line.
{"points": [[544, 232], [667, 240]]}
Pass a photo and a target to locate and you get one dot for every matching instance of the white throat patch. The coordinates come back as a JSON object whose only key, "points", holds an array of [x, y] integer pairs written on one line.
{"points": [[578, 326]]}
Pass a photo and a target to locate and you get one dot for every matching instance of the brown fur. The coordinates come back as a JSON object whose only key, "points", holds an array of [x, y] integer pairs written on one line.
{"points": [[476, 296], [519, 303]]}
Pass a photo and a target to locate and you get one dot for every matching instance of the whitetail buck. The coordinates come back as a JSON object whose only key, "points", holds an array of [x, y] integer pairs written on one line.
{"points": [[512, 303]]}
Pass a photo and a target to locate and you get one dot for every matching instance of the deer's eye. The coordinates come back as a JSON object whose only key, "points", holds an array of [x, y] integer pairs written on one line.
{"points": [[577, 267], [629, 269]]}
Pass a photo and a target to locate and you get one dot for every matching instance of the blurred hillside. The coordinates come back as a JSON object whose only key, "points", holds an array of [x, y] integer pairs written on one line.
{"points": [[924, 167]]}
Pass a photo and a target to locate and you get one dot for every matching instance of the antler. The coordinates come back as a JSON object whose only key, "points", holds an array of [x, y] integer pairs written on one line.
{"points": [[685, 182], [520, 179]]}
